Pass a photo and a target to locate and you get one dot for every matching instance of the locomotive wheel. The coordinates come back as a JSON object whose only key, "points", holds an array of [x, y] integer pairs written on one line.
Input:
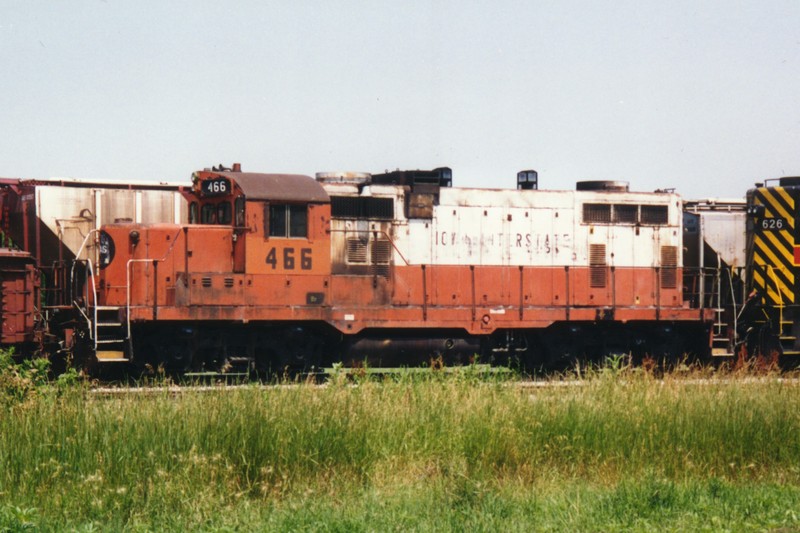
{"points": [[288, 352], [175, 355], [265, 363], [163, 351]]}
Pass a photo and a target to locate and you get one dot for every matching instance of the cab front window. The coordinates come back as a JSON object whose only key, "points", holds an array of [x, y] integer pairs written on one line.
{"points": [[208, 214], [216, 213], [224, 213]]}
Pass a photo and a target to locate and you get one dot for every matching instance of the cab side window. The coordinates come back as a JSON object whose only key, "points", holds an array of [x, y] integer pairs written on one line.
{"points": [[298, 221], [239, 209], [287, 221]]}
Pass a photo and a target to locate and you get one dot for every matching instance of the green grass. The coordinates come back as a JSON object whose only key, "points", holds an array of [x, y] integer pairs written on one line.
{"points": [[620, 451]]}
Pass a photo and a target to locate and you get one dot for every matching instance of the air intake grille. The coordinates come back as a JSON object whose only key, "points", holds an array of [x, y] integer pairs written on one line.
{"points": [[597, 265], [381, 252], [380, 256], [669, 265], [362, 207], [356, 250]]}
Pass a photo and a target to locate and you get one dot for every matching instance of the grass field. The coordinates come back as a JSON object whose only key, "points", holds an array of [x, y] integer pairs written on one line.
{"points": [[620, 450]]}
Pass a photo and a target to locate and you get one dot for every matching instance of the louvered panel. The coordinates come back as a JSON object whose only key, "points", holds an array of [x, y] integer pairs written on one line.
{"points": [[379, 270], [626, 214], [669, 266], [597, 265], [596, 213], [655, 214], [381, 252], [356, 250]]}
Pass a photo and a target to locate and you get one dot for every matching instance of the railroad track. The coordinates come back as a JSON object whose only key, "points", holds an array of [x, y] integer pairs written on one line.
{"points": [[314, 381]]}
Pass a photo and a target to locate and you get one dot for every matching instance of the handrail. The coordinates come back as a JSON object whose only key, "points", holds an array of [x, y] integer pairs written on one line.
{"points": [[388, 238], [774, 277], [733, 304], [128, 272], [90, 322], [128, 290], [78, 254]]}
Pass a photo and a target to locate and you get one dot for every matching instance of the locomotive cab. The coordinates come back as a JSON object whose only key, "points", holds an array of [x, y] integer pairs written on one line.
{"points": [[254, 255], [279, 221]]}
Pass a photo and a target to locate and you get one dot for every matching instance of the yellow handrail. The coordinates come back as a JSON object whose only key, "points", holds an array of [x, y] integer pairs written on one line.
{"points": [[771, 270]]}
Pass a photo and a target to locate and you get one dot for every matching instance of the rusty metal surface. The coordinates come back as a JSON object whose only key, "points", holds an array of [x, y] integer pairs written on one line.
{"points": [[524, 228], [19, 290], [277, 187], [721, 224], [103, 184], [67, 214]]}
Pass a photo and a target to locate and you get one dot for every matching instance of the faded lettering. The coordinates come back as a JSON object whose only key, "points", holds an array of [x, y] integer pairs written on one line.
{"points": [[538, 243]]}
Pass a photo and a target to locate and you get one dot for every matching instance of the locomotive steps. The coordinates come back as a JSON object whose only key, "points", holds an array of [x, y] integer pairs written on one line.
{"points": [[110, 335]]}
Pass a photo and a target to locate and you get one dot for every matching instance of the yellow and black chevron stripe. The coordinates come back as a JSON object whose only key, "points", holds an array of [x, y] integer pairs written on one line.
{"points": [[774, 241]]}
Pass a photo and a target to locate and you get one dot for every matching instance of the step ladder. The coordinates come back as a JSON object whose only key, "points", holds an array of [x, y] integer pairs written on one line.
{"points": [[106, 329], [720, 340], [110, 335], [787, 339]]}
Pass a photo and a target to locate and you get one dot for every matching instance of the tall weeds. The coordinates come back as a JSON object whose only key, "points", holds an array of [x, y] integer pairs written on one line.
{"points": [[129, 459]]}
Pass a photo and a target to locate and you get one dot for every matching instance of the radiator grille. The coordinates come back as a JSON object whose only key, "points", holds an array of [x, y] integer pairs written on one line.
{"points": [[655, 214], [596, 213], [362, 207], [625, 213]]}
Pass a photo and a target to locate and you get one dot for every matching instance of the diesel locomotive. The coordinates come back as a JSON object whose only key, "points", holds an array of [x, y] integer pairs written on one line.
{"points": [[269, 272], [278, 271]]}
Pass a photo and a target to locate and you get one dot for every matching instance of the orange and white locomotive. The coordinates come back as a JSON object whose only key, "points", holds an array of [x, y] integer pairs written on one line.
{"points": [[277, 271]]}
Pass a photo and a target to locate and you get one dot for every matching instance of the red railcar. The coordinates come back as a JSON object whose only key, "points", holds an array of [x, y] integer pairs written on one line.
{"points": [[19, 297]]}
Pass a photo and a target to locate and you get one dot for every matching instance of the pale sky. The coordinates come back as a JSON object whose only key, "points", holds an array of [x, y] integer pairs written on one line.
{"points": [[702, 96]]}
